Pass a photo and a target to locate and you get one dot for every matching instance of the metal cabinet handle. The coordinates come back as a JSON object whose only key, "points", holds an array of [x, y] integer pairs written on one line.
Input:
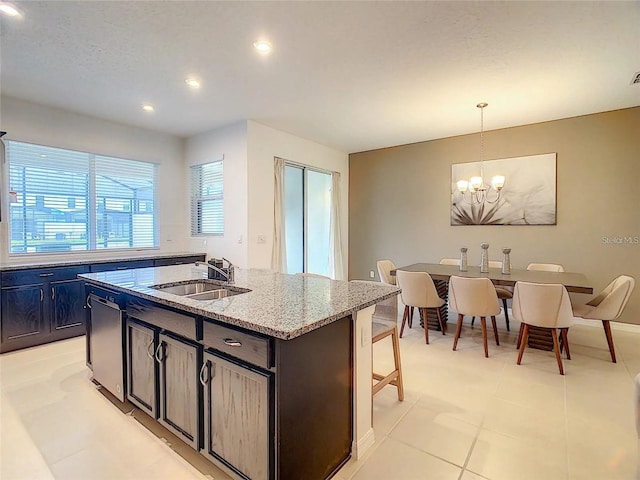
{"points": [[121, 268], [87, 304], [158, 353], [46, 275], [41, 295], [203, 370], [53, 293], [150, 349], [232, 343]]}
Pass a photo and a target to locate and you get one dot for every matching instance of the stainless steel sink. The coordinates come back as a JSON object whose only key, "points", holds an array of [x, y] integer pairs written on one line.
{"points": [[200, 290]]}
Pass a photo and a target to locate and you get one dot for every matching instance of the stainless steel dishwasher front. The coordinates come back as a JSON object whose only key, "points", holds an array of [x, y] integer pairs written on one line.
{"points": [[107, 344]]}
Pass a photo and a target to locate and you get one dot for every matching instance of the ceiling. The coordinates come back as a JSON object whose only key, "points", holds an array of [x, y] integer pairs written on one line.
{"points": [[351, 75]]}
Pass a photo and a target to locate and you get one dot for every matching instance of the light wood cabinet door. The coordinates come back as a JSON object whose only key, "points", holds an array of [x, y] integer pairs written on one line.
{"points": [[179, 388], [237, 423], [141, 367]]}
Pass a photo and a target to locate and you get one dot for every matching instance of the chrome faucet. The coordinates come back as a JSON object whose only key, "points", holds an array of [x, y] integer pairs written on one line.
{"points": [[227, 273]]}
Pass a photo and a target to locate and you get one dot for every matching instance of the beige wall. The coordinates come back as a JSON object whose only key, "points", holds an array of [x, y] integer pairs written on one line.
{"points": [[399, 200]]}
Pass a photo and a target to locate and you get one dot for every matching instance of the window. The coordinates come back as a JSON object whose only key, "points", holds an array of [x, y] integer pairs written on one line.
{"points": [[207, 199], [63, 200], [307, 219]]}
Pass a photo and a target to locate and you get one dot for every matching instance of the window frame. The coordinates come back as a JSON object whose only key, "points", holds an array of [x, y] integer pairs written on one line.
{"points": [[91, 201], [197, 199]]}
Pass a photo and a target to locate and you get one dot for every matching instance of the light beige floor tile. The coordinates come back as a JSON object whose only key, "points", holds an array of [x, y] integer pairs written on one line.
{"points": [[502, 457], [394, 460], [467, 475], [90, 462], [388, 410], [438, 434]]}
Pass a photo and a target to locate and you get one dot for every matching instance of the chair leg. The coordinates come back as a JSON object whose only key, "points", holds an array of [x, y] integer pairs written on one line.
{"points": [[396, 361], [523, 341], [458, 330], [495, 329], [473, 320], [607, 332], [483, 322], [564, 332], [411, 318], [556, 349], [405, 315], [426, 325], [520, 335], [443, 326], [506, 313]]}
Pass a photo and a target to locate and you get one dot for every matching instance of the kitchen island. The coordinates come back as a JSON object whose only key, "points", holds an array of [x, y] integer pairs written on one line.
{"points": [[270, 382]]}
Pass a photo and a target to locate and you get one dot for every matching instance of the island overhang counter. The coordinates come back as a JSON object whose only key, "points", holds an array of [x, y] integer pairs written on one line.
{"points": [[293, 351]]}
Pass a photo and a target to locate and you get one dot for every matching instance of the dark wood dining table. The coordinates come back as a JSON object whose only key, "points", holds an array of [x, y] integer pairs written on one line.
{"points": [[573, 282]]}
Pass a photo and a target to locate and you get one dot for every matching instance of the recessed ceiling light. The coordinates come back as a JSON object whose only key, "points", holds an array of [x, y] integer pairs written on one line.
{"points": [[147, 107], [192, 82], [9, 10], [262, 46]]}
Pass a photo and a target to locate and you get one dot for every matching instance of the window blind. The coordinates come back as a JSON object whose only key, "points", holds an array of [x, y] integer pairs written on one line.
{"points": [[63, 200], [207, 199]]}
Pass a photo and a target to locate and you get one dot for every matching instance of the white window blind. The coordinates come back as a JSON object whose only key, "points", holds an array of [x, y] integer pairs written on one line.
{"points": [[207, 199], [63, 200]]}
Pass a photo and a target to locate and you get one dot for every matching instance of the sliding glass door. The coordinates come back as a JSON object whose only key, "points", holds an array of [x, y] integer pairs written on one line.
{"points": [[307, 219]]}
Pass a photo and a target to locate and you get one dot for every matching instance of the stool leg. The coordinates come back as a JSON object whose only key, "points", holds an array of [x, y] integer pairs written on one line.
{"points": [[607, 332], [495, 329], [483, 322], [426, 325], [523, 341], [556, 349], [405, 315], [458, 330], [396, 361]]}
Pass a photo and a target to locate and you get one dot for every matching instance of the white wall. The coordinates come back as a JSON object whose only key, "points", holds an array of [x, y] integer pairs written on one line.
{"points": [[229, 143], [263, 144], [29, 122]]}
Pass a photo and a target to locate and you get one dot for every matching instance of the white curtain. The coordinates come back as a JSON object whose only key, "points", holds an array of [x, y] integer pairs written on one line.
{"points": [[335, 251], [279, 252]]}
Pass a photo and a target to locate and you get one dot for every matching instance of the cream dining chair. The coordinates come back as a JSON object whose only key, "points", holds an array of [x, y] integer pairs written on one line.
{"points": [[476, 297], [544, 305], [418, 290], [608, 306], [384, 271]]}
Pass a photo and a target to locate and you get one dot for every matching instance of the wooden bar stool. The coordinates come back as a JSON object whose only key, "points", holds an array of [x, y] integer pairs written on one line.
{"points": [[379, 331]]}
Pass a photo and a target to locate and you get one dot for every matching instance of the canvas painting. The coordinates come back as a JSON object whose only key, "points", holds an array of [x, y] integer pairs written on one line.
{"points": [[528, 196]]}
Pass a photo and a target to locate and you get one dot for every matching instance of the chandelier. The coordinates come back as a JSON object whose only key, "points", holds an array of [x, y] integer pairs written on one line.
{"points": [[475, 191]]}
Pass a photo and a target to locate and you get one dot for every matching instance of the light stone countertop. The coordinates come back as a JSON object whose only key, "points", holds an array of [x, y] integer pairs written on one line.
{"points": [[278, 305], [66, 261]]}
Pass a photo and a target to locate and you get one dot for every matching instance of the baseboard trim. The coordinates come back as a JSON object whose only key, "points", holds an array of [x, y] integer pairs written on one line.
{"points": [[365, 443]]}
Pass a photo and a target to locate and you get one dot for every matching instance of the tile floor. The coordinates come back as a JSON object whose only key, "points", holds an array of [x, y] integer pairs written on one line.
{"points": [[464, 417]]}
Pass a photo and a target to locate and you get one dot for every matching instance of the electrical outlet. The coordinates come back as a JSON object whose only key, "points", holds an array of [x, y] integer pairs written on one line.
{"points": [[372, 274]]}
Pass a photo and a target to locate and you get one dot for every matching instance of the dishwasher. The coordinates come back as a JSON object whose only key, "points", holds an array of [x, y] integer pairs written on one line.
{"points": [[107, 340]]}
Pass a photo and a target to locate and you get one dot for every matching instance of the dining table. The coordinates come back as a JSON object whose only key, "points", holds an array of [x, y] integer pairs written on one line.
{"points": [[538, 338]]}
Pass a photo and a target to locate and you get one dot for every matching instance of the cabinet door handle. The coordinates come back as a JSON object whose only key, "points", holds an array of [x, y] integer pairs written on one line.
{"points": [[158, 354], [121, 268], [232, 343], [46, 275], [87, 304], [150, 349], [41, 295], [203, 371], [53, 293]]}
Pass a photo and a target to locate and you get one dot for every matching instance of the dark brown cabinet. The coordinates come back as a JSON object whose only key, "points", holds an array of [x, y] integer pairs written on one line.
{"points": [[22, 315]]}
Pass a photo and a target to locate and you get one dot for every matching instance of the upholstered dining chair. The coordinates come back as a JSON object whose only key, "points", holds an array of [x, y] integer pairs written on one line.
{"points": [[384, 271], [381, 329], [476, 297], [544, 305], [418, 290], [608, 306]]}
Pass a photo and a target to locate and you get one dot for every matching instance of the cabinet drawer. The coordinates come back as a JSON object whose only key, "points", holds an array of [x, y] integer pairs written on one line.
{"points": [[107, 267], [245, 346], [38, 275], [162, 317]]}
